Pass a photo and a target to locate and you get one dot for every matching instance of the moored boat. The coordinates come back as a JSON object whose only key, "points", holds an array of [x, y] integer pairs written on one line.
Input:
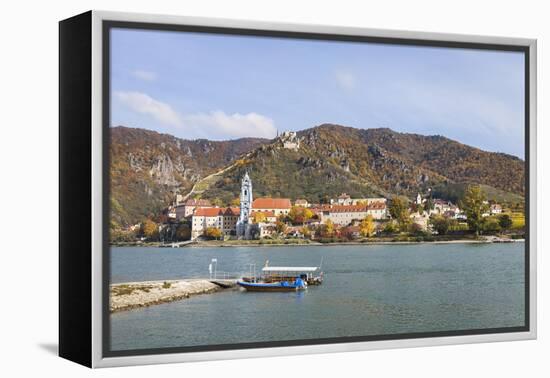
{"points": [[273, 274]]}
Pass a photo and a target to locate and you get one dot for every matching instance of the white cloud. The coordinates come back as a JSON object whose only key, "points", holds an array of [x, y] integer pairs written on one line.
{"points": [[346, 80], [145, 75], [142, 103], [219, 125], [215, 125]]}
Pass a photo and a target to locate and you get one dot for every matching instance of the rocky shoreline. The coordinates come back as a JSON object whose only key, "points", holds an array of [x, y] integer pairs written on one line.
{"points": [[131, 295]]}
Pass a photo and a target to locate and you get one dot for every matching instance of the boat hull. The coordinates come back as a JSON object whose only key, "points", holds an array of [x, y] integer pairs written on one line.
{"points": [[269, 287]]}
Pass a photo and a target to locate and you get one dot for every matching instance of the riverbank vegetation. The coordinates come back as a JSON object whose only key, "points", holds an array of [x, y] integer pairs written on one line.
{"points": [[408, 222]]}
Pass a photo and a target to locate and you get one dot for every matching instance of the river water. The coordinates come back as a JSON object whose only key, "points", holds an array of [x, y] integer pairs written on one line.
{"points": [[368, 290]]}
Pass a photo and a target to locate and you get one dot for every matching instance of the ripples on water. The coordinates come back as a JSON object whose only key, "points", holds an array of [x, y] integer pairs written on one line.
{"points": [[368, 290]]}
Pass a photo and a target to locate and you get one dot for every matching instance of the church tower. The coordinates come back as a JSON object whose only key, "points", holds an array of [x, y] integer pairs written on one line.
{"points": [[246, 205]]}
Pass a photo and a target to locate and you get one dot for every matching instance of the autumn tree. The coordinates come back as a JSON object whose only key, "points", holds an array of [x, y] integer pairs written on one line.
{"points": [[367, 226], [213, 232], [400, 212], [305, 231], [308, 214], [149, 229], [474, 203], [236, 202], [299, 214], [329, 227], [280, 227], [259, 217]]}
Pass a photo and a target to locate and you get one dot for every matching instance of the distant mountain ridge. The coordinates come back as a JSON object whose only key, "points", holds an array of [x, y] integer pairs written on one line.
{"points": [[148, 168]]}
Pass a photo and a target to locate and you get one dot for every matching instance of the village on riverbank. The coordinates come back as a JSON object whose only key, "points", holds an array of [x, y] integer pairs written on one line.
{"points": [[284, 221]]}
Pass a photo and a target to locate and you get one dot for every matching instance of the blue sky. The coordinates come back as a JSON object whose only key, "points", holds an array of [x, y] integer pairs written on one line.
{"points": [[219, 87]]}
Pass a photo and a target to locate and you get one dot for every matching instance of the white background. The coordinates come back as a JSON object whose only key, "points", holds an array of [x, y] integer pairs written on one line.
{"points": [[29, 189]]}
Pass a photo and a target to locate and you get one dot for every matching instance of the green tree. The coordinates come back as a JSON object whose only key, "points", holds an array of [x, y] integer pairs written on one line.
{"points": [[474, 204], [390, 227], [505, 221], [400, 212], [367, 226], [420, 208], [491, 225], [183, 232], [440, 223], [428, 205], [217, 202]]}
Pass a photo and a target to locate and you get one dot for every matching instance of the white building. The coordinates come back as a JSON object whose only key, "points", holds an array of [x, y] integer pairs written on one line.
{"points": [[441, 206], [345, 199], [343, 215], [204, 218], [378, 210], [223, 219]]}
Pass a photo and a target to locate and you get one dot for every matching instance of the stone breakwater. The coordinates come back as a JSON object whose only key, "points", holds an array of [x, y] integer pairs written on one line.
{"points": [[127, 296]]}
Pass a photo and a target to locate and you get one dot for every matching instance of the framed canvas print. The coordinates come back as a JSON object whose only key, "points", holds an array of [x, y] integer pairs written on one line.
{"points": [[232, 189]]}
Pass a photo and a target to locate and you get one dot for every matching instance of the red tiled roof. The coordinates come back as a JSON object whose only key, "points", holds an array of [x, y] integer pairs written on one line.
{"points": [[232, 211], [208, 212], [271, 203], [216, 211], [377, 205]]}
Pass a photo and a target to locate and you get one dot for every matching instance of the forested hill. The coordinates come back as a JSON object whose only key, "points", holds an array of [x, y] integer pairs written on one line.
{"points": [[147, 167]]}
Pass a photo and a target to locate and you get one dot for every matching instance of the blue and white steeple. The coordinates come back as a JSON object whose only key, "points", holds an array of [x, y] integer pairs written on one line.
{"points": [[246, 205]]}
